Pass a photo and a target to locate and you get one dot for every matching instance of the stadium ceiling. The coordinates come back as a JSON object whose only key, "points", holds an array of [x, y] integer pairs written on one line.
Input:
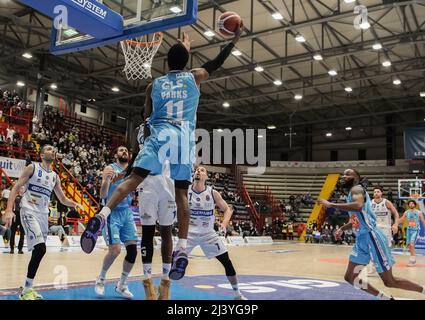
{"points": [[255, 101]]}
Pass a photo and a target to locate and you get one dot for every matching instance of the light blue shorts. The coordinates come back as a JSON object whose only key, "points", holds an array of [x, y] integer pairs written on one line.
{"points": [[373, 246], [412, 236], [120, 227]]}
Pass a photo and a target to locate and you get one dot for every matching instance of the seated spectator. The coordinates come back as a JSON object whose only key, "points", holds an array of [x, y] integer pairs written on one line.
{"points": [[308, 235], [326, 234], [316, 235], [290, 230], [57, 226], [349, 236], [285, 231], [337, 240]]}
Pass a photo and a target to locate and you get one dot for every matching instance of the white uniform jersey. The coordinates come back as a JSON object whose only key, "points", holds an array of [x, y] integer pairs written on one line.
{"points": [[160, 184], [383, 214], [38, 189], [202, 207], [156, 194]]}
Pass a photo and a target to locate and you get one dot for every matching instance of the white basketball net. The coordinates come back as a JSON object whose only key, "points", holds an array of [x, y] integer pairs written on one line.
{"points": [[138, 54]]}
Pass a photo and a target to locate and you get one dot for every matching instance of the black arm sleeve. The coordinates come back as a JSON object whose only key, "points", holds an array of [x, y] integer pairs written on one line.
{"points": [[213, 65]]}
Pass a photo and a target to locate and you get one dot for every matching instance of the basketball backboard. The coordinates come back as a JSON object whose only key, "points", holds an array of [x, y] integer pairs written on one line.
{"points": [[95, 23], [411, 189]]}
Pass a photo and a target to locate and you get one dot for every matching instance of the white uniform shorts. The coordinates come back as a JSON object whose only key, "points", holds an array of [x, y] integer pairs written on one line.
{"points": [[210, 243], [156, 202], [36, 226], [387, 231]]}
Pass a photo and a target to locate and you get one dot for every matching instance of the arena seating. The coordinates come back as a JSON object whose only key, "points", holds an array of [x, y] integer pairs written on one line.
{"points": [[284, 181]]}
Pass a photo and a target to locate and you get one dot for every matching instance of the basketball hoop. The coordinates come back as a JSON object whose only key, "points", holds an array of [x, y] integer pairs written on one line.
{"points": [[139, 53]]}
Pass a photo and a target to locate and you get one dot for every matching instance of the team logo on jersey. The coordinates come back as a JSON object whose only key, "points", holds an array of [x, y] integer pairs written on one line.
{"points": [[38, 180], [207, 198], [198, 199], [47, 177], [198, 204], [355, 222]]}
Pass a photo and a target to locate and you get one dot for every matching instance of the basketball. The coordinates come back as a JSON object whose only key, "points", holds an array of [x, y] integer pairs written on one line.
{"points": [[228, 23]]}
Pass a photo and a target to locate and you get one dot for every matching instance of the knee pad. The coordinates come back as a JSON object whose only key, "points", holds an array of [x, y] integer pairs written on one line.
{"points": [[148, 233], [227, 264], [39, 250], [131, 253]]}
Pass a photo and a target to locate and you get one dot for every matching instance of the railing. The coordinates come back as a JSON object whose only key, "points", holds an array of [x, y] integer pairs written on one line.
{"points": [[255, 217], [72, 190], [274, 203]]}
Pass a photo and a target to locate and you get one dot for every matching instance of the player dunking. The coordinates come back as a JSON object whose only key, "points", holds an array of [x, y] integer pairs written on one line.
{"points": [[412, 215], [39, 181], [370, 241], [119, 228], [156, 203], [383, 209], [202, 202], [171, 105]]}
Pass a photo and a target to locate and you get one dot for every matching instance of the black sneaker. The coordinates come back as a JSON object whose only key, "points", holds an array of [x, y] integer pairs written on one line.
{"points": [[20, 252], [90, 234], [12, 251]]}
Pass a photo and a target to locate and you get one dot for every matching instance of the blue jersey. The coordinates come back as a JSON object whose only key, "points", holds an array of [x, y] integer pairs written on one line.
{"points": [[363, 221], [175, 99], [413, 219], [126, 202]]}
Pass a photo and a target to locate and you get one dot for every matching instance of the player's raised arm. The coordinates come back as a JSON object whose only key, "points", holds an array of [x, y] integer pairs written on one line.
{"points": [[148, 104], [395, 214], [23, 179], [208, 68], [356, 205], [224, 207], [107, 176]]}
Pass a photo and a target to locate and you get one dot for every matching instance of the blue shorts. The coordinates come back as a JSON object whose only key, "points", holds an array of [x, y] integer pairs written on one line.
{"points": [[373, 245], [156, 151], [411, 236], [120, 227]]}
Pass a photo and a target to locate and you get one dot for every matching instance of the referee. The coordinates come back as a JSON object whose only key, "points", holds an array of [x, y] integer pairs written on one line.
{"points": [[17, 223]]}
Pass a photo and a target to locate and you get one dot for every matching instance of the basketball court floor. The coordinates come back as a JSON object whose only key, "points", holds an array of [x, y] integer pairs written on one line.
{"points": [[282, 271]]}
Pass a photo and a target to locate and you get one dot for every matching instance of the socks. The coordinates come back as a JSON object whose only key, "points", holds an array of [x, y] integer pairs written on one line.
{"points": [[382, 296], [102, 275], [124, 277], [166, 267], [236, 290], [105, 212], [28, 284], [147, 270], [182, 243]]}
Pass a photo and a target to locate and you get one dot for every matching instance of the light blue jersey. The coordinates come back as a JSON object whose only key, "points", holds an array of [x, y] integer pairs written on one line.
{"points": [[371, 243], [126, 202], [413, 219], [365, 220], [175, 99], [172, 124]]}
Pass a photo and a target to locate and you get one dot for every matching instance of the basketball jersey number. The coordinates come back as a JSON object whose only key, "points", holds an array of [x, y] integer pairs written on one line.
{"points": [[175, 110]]}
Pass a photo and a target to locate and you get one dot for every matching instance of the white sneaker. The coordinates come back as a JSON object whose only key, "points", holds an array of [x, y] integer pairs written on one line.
{"points": [[123, 291], [240, 297], [99, 287], [412, 262]]}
